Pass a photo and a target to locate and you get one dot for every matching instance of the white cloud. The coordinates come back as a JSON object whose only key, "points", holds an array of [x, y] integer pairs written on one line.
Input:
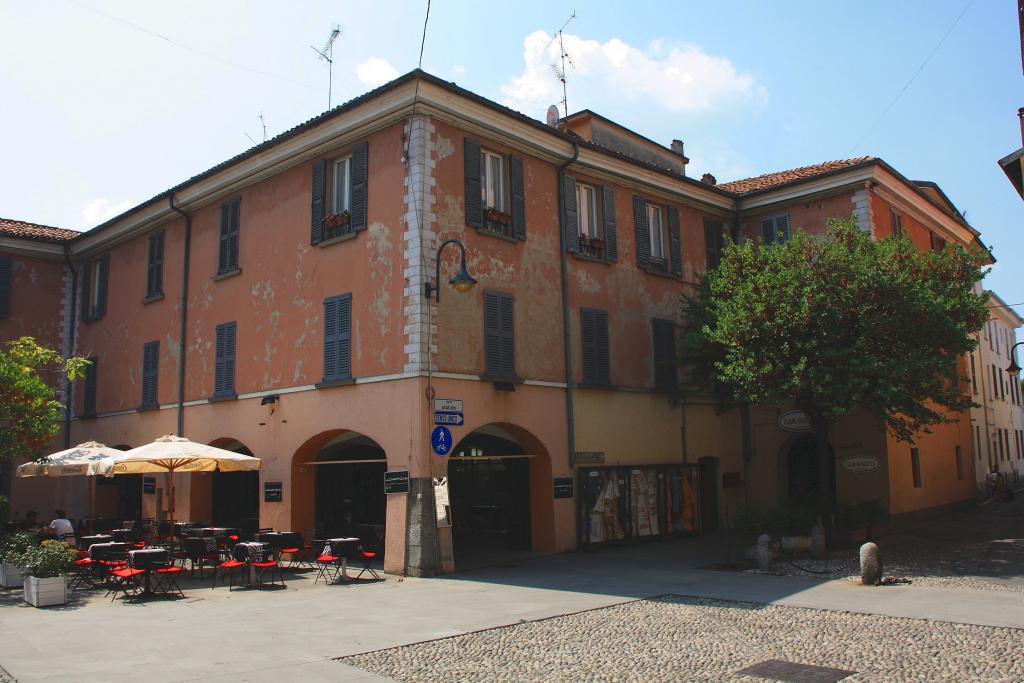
{"points": [[457, 71], [376, 71], [721, 161], [681, 78], [99, 210]]}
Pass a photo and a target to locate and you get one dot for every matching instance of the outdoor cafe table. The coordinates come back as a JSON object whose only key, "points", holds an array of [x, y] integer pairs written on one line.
{"points": [[249, 552], [86, 541], [341, 547], [149, 559], [126, 535], [102, 551], [215, 531]]}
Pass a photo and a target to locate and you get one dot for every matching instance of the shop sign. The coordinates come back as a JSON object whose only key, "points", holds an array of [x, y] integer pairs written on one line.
{"points": [[396, 482], [563, 487], [273, 492], [589, 457], [441, 505], [861, 463], [149, 484], [441, 441], [794, 421]]}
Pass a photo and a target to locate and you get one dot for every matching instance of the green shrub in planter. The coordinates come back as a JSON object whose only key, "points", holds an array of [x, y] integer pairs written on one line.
{"points": [[13, 546], [52, 558]]}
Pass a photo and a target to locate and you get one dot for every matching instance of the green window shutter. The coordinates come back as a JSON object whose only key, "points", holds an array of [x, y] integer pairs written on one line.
{"points": [[517, 189], [596, 351], [360, 171], [155, 270], [675, 242], [611, 238], [224, 375], [473, 200], [499, 336], [570, 215], [223, 256], [338, 337], [89, 397], [6, 276], [714, 242], [782, 228], [643, 233], [150, 373], [101, 286], [86, 284], [768, 231], [319, 203], [663, 333]]}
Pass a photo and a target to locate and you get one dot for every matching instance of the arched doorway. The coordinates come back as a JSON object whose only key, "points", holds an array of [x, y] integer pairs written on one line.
{"points": [[801, 471], [500, 492], [338, 487], [228, 499]]}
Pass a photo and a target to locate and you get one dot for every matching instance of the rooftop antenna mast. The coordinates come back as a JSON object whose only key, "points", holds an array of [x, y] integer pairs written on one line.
{"points": [[263, 122], [327, 54], [559, 70]]}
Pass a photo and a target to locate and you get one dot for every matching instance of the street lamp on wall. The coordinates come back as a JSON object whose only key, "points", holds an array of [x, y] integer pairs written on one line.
{"points": [[1013, 370], [462, 281]]}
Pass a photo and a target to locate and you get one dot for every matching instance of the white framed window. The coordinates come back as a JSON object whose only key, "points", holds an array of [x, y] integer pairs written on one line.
{"points": [[587, 212], [492, 180], [656, 227], [341, 195]]}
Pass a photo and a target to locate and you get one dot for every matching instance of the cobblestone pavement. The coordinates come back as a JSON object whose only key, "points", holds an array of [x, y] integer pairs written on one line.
{"points": [[983, 550], [694, 639]]}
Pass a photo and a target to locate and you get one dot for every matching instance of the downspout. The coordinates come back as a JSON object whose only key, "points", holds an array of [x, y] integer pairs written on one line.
{"points": [[184, 312], [570, 417], [70, 342]]}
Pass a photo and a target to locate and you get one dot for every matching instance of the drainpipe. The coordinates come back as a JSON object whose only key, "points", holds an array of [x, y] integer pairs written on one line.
{"points": [[184, 312], [70, 342], [570, 417]]}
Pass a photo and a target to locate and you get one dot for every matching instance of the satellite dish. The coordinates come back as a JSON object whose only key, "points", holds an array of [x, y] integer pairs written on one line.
{"points": [[553, 116]]}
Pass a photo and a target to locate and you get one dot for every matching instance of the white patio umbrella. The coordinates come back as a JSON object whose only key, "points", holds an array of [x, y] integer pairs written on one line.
{"points": [[176, 454], [82, 460]]}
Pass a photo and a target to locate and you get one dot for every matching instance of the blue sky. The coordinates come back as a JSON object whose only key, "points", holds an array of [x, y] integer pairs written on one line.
{"points": [[99, 115]]}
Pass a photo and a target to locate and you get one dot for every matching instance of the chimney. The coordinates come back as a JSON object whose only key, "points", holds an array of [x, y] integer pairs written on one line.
{"points": [[1020, 115], [677, 147], [708, 179]]}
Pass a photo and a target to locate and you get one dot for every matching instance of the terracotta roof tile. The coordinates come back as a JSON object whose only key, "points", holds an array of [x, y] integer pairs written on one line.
{"points": [[770, 180], [34, 231]]}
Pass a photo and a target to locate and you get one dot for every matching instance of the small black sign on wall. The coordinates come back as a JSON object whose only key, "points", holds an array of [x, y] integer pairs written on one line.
{"points": [[563, 487], [149, 484], [396, 482], [272, 491]]}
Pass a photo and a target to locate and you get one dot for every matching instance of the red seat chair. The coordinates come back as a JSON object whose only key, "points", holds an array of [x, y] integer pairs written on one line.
{"points": [[84, 574], [231, 568], [272, 566], [126, 580], [329, 566], [367, 555], [166, 580]]}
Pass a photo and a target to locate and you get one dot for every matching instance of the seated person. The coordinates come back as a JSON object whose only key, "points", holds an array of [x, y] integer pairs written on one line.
{"points": [[62, 527]]}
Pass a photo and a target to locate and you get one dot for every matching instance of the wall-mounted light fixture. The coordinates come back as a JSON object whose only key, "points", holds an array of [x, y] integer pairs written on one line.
{"points": [[462, 281]]}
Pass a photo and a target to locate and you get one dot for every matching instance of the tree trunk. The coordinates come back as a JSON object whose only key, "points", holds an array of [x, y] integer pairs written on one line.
{"points": [[826, 498]]}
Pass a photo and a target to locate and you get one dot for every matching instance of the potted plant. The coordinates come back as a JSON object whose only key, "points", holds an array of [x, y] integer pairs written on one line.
{"points": [[45, 568], [338, 219], [492, 214], [12, 547]]}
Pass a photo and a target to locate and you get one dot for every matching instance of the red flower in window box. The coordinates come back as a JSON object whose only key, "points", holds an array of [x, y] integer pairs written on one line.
{"points": [[336, 219], [492, 214]]}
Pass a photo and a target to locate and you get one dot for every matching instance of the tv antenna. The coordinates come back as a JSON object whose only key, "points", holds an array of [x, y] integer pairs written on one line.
{"points": [[263, 122], [559, 69], [327, 54]]}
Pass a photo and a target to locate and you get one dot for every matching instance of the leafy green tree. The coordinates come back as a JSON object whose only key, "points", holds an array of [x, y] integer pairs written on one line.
{"points": [[836, 324], [30, 413]]}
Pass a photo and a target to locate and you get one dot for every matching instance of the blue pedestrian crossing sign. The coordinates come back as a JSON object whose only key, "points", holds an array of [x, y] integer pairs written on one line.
{"points": [[441, 440]]}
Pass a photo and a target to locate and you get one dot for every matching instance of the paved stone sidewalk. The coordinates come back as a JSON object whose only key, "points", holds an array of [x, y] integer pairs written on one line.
{"points": [[694, 639]]}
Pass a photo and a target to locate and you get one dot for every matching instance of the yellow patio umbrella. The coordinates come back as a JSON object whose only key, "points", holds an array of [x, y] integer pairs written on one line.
{"points": [[176, 454], [82, 460]]}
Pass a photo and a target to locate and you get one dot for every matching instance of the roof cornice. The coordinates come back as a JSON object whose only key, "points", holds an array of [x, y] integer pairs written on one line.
{"points": [[30, 247]]}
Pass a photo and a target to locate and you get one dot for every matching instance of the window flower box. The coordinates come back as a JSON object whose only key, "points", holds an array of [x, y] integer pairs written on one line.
{"points": [[591, 246], [494, 216], [338, 219]]}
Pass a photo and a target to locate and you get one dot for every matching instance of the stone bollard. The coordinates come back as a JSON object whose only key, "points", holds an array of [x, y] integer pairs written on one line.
{"points": [[819, 549], [764, 553], [870, 565]]}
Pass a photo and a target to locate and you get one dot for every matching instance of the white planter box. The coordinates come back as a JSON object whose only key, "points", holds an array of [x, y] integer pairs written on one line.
{"points": [[46, 592], [10, 576]]}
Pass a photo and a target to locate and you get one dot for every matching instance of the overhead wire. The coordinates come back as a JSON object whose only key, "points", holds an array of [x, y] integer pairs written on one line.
{"points": [[912, 78], [183, 46]]}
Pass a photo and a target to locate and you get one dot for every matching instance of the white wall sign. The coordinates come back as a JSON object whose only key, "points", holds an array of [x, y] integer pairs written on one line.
{"points": [[861, 463], [794, 421]]}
